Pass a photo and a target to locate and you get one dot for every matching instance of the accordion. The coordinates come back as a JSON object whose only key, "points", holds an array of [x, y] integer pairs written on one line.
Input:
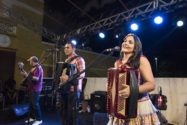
{"points": [[116, 105], [62, 68]]}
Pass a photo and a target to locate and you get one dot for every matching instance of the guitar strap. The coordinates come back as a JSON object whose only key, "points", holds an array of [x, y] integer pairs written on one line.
{"points": [[30, 73], [72, 59]]}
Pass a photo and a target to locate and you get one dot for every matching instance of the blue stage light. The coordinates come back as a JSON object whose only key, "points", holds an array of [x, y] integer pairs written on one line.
{"points": [[180, 23], [134, 26], [158, 20], [74, 42], [117, 36], [102, 35]]}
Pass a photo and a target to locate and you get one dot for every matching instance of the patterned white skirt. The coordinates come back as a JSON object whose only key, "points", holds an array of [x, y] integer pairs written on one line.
{"points": [[146, 115]]}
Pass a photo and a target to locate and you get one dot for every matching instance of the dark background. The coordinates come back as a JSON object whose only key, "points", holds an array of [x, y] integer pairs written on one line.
{"points": [[166, 42]]}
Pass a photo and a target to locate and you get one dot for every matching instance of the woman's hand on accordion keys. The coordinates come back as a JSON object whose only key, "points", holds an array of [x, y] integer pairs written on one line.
{"points": [[125, 91]]}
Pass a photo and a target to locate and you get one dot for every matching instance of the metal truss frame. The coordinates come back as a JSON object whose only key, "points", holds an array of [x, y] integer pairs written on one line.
{"points": [[141, 12]]}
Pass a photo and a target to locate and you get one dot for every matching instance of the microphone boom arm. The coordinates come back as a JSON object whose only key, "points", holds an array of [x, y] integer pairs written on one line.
{"points": [[75, 76]]}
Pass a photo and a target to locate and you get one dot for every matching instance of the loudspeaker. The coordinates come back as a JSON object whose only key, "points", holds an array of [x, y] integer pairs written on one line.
{"points": [[99, 101], [47, 81], [46, 93]]}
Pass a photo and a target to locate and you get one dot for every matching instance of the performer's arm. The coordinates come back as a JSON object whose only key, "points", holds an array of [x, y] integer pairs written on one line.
{"points": [[24, 73], [36, 75], [115, 64], [35, 78], [80, 66], [147, 75]]}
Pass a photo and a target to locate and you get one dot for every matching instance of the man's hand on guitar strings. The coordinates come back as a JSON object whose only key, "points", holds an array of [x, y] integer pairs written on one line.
{"points": [[64, 78], [24, 73]]}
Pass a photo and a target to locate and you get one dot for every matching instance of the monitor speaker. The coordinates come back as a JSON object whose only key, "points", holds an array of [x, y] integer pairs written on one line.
{"points": [[99, 101]]}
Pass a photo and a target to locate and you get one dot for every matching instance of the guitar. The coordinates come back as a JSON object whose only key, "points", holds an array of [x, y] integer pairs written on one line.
{"points": [[20, 66], [29, 76], [64, 72], [67, 69]]}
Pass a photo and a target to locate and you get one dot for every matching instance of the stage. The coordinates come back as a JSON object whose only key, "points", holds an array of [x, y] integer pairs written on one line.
{"points": [[50, 117]]}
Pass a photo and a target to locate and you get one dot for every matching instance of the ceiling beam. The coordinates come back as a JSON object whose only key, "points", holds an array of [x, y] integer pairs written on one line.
{"points": [[123, 5], [142, 12], [84, 12]]}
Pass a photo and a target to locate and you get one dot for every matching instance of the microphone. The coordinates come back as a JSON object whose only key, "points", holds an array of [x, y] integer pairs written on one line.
{"points": [[116, 48]]}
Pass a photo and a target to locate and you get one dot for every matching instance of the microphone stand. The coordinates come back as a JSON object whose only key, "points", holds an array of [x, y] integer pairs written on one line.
{"points": [[73, 77], [43, 60]]}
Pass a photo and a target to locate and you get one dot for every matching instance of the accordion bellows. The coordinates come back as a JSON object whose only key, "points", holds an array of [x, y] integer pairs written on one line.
{"points": [[116, 105]]}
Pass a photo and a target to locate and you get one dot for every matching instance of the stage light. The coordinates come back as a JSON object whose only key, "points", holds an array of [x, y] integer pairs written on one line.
{"points": [[158, 20], [117, 36], [180, 23], [117, 31], [134, 26], [74, 42], [102, 35], [83, 44]]}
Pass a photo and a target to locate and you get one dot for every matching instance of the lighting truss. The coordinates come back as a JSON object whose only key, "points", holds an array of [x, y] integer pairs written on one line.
{"points": [[142, 12]]}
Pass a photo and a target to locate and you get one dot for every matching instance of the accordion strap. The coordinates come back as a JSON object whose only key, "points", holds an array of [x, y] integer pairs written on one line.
{"points": [[134, 93]]}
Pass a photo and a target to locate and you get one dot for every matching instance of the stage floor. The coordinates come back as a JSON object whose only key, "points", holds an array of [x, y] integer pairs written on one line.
{"points": [[50, 117]]}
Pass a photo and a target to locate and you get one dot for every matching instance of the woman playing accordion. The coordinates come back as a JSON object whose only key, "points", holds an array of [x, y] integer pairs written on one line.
{"points": [[131, 62]]}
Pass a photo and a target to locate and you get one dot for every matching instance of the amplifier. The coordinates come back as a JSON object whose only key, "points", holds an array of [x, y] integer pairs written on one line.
{"points": [[99, 101], [47, 81]]}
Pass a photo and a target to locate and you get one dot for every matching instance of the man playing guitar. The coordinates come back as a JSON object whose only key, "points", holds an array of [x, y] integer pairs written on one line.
{"points": [[69, 98], [33, 81]]}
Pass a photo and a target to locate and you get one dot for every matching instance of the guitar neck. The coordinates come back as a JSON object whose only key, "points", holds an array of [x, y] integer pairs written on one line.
{"points": [[22, 70]]}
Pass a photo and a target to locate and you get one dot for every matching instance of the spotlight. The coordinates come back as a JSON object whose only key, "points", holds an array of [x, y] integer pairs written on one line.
{"points": [[117, 36], [158, 19], [74, 42], [102, 35], [180, 23], [134, 26], [117, 32], [83, 44]]}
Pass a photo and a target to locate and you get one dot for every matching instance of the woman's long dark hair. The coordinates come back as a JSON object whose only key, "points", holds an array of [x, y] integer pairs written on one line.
{"points": [[134, 60]]}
